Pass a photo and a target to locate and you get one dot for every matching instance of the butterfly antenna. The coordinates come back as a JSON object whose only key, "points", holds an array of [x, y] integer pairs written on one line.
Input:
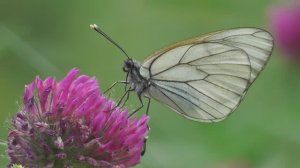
{"points": [[97, 29]]}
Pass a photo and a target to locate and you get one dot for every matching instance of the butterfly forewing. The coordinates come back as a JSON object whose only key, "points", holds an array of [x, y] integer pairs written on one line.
{"points": [[205, 78], [257, 43]]}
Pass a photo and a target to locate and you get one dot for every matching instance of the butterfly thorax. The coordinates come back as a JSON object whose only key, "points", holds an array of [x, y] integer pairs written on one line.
{"points": [[134, 78]]}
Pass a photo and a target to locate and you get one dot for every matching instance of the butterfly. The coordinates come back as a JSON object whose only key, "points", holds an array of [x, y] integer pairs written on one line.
{"points": [[204, 78]]}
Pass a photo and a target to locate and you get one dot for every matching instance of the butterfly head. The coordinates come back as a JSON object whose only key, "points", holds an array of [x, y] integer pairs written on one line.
{"points": [[130, 65]]}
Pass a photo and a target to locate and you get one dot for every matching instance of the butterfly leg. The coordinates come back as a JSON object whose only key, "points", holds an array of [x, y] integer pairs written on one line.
{"points": [[126, 79], [114, 84], [141, 106], [126, 99], [124, 95], [146, 138], [148, 105], [145, 143]]}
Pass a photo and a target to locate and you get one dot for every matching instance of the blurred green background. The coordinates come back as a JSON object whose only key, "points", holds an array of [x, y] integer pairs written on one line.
{"points": [[50, 37]]}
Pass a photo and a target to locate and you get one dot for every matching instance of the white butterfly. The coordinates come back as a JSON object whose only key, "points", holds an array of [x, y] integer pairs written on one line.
{"points": [[204, 78]]}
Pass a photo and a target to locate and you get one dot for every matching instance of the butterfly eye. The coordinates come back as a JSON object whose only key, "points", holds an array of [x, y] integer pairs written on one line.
{"points": [[128, 65]]}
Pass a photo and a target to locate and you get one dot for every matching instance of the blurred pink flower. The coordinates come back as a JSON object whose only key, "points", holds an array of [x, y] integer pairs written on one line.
{"points": [[71, 124], [285, 22]]}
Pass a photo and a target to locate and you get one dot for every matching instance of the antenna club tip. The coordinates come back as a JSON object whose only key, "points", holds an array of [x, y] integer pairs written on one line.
{"points": [[93, 26]]}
